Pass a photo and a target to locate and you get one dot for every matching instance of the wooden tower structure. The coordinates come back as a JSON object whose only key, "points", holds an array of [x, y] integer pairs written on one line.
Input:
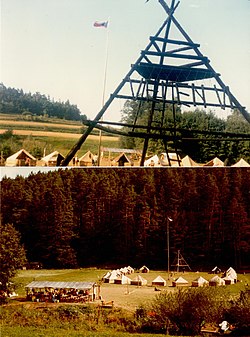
{"points": [[180, 262], [171, 71]]}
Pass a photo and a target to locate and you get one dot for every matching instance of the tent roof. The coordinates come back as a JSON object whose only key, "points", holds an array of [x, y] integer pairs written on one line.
{"points": [[216, 268], [122, 155], [231, 273], [159, 279], [200, 279], [61, 285], [87, 157], [54, 155], [214, 162], [155, 159], [187, 161], [241, 163], [19, 153], [180, 280], [144, 267], [139, 278], [216, 278]]}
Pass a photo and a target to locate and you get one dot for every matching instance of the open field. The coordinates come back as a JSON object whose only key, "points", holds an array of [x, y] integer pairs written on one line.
{"points": [[52, 332], [58, 135], [53, 134], [37, 319], [128, 297]]}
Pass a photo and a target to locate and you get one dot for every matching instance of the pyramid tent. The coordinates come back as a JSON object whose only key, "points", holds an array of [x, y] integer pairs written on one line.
{"points": [[106, 277], [216, 270], [199, 282], [139, 281], [180, 281], [171, 70], [111, 276], [123, 279], [228, 280], [152, 161], [159, 281], [144, 269], [121, 160], [87, 159], [21, 158], [231, 273], [241, 163], [188, 162], [53, 159], [216, 281], [214, 162], [169, 159]]}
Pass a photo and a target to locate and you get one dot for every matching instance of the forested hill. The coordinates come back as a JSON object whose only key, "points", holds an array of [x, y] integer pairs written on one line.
{"points": [[15, 101], [83, 217]]}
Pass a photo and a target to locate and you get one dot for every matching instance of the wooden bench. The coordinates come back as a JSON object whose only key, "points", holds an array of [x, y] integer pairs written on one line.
{"points": [[109, 304]]}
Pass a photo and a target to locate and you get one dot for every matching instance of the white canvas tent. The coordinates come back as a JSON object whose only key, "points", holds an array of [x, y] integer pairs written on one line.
{"points": [[231, 273], [180, 281], [139, 281], [144, 269], [52, 159], [153, 161], [188, 162], [21, 158], [159, 281], [216, 281], [228, 280], [200, 282], [216, 270], [241, 163], [122, 280], [111, 276], [163, 158], [214, 162], [87, 159]]}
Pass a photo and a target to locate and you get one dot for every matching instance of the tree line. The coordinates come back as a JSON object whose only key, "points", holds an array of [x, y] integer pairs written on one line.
{"points": [[103, 217], [16, 101], [200, 147]]}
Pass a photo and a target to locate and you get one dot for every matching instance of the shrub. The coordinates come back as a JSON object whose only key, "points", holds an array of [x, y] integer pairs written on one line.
{"points": [[239, 314], [183, 312]]}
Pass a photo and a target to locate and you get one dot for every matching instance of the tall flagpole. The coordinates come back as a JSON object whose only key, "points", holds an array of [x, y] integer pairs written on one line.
{"points": [[104, 90]]}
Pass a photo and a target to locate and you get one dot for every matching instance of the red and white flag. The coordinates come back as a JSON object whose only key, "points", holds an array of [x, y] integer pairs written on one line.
{"points": [[103, 24]]}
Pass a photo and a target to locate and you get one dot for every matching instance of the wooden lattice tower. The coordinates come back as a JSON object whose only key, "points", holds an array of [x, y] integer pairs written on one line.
{"points": [[180, 262], [170, 71]]}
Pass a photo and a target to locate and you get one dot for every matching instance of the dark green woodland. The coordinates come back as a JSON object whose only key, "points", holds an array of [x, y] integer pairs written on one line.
{"points": [[108, 217]]}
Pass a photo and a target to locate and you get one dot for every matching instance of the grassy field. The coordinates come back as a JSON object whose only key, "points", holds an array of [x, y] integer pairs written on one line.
{"points": [[53, 134], [52, 332], [129, 297], [20, 318]]}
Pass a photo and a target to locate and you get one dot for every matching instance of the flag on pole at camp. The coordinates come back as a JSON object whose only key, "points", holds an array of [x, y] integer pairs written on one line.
{"points": [[101, 24]]}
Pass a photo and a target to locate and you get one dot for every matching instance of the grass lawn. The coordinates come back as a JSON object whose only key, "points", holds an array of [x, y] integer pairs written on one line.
{"points": [[52, 332], [126, 296], [29, 319]]}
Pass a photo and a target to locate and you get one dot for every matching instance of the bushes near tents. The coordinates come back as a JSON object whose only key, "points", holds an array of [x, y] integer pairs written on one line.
{"points": [[184, 312]]}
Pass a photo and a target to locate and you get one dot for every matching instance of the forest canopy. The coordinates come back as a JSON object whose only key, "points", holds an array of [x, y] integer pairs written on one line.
{"points": [[16, 101], [103, 217]]}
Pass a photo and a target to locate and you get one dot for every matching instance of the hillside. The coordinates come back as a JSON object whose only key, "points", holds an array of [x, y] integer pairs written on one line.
{"points": [[41, 134], [86, 217], [16, 101]]}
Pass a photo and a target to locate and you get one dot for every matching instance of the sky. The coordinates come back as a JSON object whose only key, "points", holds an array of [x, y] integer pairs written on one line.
{"points": [[52, 47]]}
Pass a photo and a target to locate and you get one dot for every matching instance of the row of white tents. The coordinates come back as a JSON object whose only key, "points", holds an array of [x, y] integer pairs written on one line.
{"points": [[162, 160], [117, 277], [24, 158]]}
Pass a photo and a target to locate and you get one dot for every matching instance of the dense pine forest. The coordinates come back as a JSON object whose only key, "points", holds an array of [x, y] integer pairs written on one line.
{"points": [[16, 101], [108, 217]]}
